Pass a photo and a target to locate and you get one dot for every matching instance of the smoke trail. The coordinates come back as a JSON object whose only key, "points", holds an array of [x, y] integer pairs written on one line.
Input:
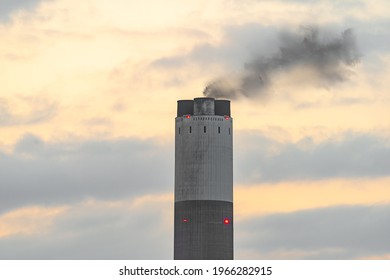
{"points": [[328, 60]]}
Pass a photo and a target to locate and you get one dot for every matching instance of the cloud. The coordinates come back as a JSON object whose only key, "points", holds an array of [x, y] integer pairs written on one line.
{"points": [[237, 44], [125, 229], [42, 173], [24, 110], [326, 59], [97, 230], [27, 221], [330, 233], [249, 58], [373, 36], [10, 6], [267, 160]]}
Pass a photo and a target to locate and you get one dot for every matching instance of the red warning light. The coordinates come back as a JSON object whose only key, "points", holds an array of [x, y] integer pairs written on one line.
{"points": [[226, 221], [187, 116], [227, 118], [185, 220]]}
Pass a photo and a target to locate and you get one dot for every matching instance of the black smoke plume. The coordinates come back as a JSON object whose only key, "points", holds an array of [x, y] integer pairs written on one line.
{"points": [[330, 61]]}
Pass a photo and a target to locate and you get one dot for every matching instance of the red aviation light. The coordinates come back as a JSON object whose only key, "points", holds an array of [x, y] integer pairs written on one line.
{"points": [[187, 116], [185, 220], [227, 118], [226, 221]]}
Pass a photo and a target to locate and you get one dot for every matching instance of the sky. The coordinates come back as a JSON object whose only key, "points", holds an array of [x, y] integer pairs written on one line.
{"points": [[87, 105]]}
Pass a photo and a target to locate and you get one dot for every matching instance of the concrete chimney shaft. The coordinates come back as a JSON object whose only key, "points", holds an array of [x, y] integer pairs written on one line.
{"points": [[203, 180]]}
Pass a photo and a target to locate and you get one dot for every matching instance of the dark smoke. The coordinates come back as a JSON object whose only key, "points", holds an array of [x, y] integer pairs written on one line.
{"points": [[328, 60]]}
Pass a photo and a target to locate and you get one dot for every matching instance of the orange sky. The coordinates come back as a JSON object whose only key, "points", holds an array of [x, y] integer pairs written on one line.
{"points": [[78, 74]]}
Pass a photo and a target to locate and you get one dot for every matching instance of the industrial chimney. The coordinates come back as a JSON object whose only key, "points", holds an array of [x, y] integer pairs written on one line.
{"points": [[203, 180]]}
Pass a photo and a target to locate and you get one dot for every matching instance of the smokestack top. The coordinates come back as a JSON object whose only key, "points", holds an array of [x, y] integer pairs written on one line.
{"points": [[203, 106]]}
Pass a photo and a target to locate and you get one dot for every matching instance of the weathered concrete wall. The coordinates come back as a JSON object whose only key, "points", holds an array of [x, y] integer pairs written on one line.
{"points": [[203, 184], [203, 160], [200, 231]]}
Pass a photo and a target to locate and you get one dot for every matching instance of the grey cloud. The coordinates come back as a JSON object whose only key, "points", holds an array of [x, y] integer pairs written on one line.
{"points": [[266, 160], [236, 46], [206, 53], [50, 174], [40, 173], [10, 6], [89, 231], [373, 37], [29, 144], [343, 232], [99, 232]]}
